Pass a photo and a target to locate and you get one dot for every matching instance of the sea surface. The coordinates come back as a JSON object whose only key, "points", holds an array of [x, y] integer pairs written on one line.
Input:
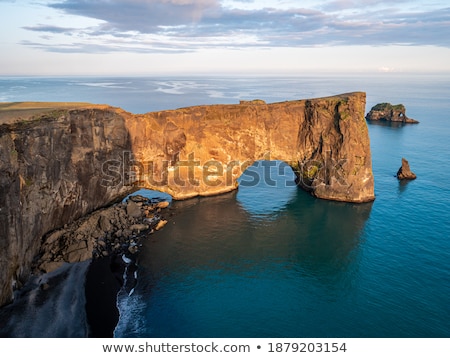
{"points": [[269, 260]]}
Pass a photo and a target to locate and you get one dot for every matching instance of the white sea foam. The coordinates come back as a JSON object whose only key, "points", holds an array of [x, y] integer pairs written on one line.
{"points": [[182, 87], [215, 94], [169, 90], [170, 87], [130, 307], [126, 259], [100, 84]]}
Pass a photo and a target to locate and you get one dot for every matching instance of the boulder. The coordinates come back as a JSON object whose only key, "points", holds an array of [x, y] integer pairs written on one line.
{"points": [[104, 223], [139, 227], [162, 204], [160, 224], [133, 209], [138, 198]]}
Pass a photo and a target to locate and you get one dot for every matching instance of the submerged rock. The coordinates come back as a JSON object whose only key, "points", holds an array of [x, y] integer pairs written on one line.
{"points": [[390, 113], [405, 172]]}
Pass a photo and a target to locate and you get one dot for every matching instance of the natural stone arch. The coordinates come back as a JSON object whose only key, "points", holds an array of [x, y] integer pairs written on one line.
{"points": [[204, 149], [273, 173], [62, 161]]}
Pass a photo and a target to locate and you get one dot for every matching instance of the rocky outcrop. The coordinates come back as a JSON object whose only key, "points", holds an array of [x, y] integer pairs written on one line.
{"points": [[114, 230], [405, 172], [60, 164], [390, 113], [204, 149]]}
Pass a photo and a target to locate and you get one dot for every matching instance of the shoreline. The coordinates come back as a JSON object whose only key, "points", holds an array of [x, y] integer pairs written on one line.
{"points": [[80, 271], [79, 299], [106, 277], [101, 288]]}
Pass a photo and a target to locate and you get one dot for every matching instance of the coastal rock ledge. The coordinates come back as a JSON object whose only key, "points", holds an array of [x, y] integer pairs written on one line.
{"points": [[61, 161]]}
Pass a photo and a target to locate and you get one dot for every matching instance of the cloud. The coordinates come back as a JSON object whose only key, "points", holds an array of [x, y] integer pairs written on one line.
{"points": [[189, 25], [339, 5], [141, 15], [50, 28], [103, 48], [386, 69]]}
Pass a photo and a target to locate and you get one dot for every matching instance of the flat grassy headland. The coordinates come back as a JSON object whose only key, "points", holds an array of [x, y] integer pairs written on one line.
{"points": [[11, 112]]}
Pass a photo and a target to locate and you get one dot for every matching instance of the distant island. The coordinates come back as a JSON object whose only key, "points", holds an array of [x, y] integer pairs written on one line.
{"points": [[389, 113]]}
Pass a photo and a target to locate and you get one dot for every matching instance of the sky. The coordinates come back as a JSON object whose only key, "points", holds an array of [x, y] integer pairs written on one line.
{"points": [[139, 37]]}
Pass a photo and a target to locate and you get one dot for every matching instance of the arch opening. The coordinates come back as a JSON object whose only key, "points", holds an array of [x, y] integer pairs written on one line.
{"points": [[268, 173], [152, 195], [266, 187]]}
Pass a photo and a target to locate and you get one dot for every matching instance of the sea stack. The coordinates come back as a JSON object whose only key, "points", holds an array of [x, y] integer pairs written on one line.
{"points": [[405, 173], [389, 113]]}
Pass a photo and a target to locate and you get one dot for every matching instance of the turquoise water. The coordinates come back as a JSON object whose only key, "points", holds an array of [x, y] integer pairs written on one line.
{"points": [[271, 261], [274, 262]]}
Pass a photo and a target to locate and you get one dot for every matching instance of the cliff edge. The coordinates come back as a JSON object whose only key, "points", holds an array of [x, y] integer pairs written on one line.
{"points": [[62, 161]]}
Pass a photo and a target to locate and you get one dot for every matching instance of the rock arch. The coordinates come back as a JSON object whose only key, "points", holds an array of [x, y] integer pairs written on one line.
{"points": [[204, 149], [62, 161]]}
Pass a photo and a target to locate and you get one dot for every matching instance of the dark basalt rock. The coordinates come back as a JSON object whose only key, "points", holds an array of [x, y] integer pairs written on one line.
{"points": [[114, 230]]}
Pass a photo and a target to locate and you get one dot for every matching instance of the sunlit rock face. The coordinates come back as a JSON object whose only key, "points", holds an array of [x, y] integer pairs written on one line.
{"points": [[203, 150], [63, 162]]}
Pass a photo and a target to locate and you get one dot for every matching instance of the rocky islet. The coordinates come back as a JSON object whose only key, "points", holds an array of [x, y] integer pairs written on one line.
{"points": [[389, 113], [404, 172]]}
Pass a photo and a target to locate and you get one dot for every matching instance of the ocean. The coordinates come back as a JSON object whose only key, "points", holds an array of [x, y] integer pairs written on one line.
{"points": [[269, 260]]}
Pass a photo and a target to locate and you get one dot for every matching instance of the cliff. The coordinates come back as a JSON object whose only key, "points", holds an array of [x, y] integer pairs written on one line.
{"points": [[63, 161], [390, 113], [51, 166]]}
